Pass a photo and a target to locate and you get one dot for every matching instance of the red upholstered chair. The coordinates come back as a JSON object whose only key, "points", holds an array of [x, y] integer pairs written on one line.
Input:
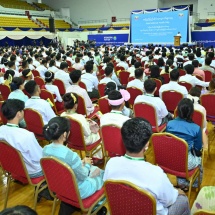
{"points": [[83, 85], [204, 212], [112, 141], [166, 78], [182, 72], [101, 72], [118, 69], [26, 93], [99, 67], [186, 84], [76, 139], [199, 77], [69, 63], [125, 196], [147, 111], [63, 185], [143, 63], [13, 166], [40, 81], [158, 85], [5, 91], [3, 119], [171, 154], [171, 99], [34, 122], [208, 102], [35, 73], [71, 69], [131, 78], [104, 106], [134, 92], [60, 86], [101, 89], [155, 60], [208, 76], [123, 77]]}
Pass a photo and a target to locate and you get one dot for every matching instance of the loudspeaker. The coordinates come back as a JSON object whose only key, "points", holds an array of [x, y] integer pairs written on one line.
{"points": [[51, 25]]}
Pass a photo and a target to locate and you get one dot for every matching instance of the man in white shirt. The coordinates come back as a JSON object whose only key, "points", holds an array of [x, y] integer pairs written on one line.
{"points": [[21, 139], [108, 75], [206, 66], [173, 84], [75, 76], [138, 81], [136, 133], [191, 58], [123, 63], [42, 68], [36, 62], [63, 74], [11, 66], [35, 102], [90, 81], [148, 97], [30, 63], [192, 79], [116, 117]]}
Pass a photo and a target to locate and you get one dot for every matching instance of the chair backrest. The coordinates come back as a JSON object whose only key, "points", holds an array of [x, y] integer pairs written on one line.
{"points": [[208, 76], [81, 106], [199, 77], [35, 73], [101, 72], [5, 91], [171, 99], [101, 89], [131, 78], [204, 212], [76, 137], [71, 69], [170, 152], [61, 180], [12, 161], [114, 146], [3, 119], [104, 106], [146, 111], [59, 83], [186, 84], [45, 94], [82, 85], [69, 63], [158, 85], [118, 68], [166, 78], [182, 72], [129, 198], [39, 81], [123, 77], [134, 92], [34, 122], [208, 102]]}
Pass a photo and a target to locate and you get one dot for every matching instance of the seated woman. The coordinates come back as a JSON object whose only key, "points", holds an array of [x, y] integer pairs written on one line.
{"points": [[183, 127], [89, 178], [7, 78], [27, 75], [168, 66], [49, 78], [17, 85], [71, 104], [155, 73], [161, 63]]}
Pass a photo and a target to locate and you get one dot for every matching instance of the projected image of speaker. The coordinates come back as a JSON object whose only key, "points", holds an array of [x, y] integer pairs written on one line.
{"points": [[51, 25]]}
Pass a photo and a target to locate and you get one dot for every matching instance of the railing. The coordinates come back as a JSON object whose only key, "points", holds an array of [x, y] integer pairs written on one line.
{"points": [[17, 6], [122, 19], [93, 21]]}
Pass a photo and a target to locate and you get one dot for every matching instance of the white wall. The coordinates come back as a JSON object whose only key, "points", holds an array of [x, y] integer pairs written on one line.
{"points": [[81, 10], [206, 6]]}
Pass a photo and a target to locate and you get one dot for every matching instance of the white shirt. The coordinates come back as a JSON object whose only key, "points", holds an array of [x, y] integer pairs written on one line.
{"points": [[82, 92], [158, 104], [36, 63], [106, 80], [173, 85], [193, 80], [54, 90], [131, 70], [31, 67], [42, 106], [53, 69], [146, 176], [63, 76], [114, 117], [90, 81], [24, 141], [42, 70], [187, 62], [136, 83], [123, 64], [78, 66], [17, 74]]}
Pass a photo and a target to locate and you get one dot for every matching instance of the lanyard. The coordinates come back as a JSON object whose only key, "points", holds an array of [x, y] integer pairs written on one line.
{"points": [[12, 125], [133, 158], [116, 112], [149, 95]]}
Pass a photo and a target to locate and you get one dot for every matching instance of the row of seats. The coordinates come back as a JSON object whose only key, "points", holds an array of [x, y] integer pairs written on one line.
{"points": [[120, 25], [16, 4], [58, 23], [91, 26], [43, 6]]}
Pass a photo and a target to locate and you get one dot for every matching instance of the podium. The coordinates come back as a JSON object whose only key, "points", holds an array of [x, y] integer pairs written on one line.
{"points": [[177, 40]]}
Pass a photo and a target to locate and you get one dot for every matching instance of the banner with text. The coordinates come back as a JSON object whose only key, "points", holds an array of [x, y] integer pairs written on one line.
{"points": [[205, 38]]}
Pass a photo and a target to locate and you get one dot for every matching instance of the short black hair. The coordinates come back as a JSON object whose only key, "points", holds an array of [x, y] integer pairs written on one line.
{"points": [[63, 65], [88, 68], [109, 87], [114, 95], [136, 133], [122, 58], [185, 109], [189, 68], [138, 73], [31, 87], [174, 75], [208, 61], [191, 56], [19, 209], [195, 91], [195, 63], [149, 85], [10, 108], [75, 76], [108, 70], [11, 63], [137, 65]]}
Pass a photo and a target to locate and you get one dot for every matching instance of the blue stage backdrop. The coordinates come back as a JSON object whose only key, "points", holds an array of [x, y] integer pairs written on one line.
{"points": [[109, 39], [159, 27], [205, 38]]}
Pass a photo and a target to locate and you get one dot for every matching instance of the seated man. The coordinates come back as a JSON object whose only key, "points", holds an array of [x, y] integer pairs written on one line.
{"points": [[108, 75], [21, 139], [75, 76], [116, 100], [90, 81], [138, 81], [160, 107], [192, 79], [136, 133], [36, 103], [206, 66], [173, 84], [42, 68], [123, 62]]}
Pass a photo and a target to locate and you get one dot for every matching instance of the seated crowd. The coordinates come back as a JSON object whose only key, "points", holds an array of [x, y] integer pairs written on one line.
{"points": [[30, 72]]}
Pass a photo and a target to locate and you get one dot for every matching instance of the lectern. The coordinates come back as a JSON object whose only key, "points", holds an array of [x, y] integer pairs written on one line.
{"points": [[177, 40]]}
